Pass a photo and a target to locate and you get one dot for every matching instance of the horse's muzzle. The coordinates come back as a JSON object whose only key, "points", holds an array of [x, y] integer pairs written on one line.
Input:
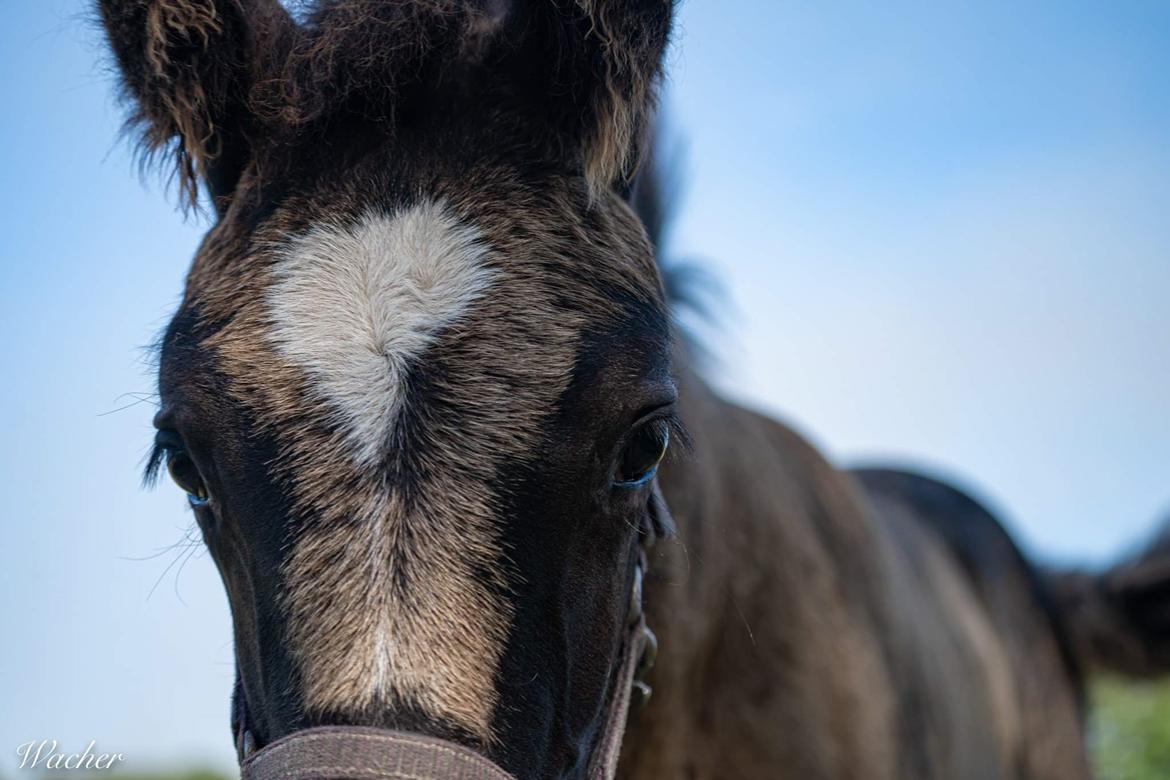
{"points": [[363, 753], [359, 753]]}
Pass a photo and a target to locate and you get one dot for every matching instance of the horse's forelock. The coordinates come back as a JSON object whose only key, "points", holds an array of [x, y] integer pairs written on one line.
{"points": [[219, 82], [360, 55]]}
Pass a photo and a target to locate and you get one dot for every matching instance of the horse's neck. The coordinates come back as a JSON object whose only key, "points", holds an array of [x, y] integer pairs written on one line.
{"points": [[799, 629], [753, 492], [756, 616]]}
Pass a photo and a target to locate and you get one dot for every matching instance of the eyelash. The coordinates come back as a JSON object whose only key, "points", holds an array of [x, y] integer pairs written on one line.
{"points": [[155, 460], [680, 437]]}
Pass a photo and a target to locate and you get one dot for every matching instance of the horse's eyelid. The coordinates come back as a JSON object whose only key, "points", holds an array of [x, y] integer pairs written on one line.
{"points": [[680, 437]]}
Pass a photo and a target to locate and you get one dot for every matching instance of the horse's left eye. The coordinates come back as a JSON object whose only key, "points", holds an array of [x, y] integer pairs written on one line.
{"points": [[185, 474], [643, 453]]}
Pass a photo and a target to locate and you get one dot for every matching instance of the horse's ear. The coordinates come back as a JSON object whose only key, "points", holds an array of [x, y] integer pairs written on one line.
{"points": [[188, 67], [608, 58]]}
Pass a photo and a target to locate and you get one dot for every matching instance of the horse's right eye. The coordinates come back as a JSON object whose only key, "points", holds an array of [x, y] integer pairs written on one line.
{"points": [[643, 452], [185, 474]]}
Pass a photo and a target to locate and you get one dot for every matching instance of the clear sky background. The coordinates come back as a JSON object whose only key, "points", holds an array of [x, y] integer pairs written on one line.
{"points": [[944, 229]]}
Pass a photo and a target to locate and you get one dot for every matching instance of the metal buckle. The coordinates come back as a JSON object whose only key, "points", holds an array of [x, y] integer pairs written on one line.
{"points": [[641, 691]]}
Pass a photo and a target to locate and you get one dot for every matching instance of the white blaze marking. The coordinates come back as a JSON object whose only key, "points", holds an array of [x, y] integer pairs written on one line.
{"points": [[355, 305]]}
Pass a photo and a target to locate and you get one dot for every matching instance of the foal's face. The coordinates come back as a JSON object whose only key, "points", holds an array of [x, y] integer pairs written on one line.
{"points": [[418, 429], [419, 382]]}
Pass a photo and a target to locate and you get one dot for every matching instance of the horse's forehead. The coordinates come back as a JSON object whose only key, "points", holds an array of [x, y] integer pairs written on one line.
{"points": [[357, 306], [348, 314]]}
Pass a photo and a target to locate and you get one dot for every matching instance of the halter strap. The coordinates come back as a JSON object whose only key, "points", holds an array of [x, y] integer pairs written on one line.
{"points": [[362, 753], [603, 764], [359, 753]]}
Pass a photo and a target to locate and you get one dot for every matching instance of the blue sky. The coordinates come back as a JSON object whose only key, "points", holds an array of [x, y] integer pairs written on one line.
{"points": [[942, 227]]}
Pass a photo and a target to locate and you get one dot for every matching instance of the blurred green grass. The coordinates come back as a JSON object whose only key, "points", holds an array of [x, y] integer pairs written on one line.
{"points": [[1129, 729]]}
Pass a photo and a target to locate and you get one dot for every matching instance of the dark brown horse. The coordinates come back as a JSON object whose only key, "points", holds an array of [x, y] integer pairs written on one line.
{"points": [[418, 389]]}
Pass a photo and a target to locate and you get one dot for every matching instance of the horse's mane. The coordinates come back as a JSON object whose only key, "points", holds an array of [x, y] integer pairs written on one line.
{"points": [[694, 292]]}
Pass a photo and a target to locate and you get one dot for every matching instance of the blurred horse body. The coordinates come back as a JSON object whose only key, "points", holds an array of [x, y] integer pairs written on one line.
{"points": [[873, 623]]}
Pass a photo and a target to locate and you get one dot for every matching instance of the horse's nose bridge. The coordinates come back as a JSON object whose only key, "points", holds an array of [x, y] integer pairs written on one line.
{"points": [[364, 753], [384, 613]]}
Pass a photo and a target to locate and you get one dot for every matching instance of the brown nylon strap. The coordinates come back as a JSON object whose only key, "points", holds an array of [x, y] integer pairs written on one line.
{"points": [[355, 753]]}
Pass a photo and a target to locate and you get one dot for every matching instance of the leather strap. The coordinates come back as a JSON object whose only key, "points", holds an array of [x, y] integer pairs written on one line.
{"points": [[603, 764], [357, 753]]}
